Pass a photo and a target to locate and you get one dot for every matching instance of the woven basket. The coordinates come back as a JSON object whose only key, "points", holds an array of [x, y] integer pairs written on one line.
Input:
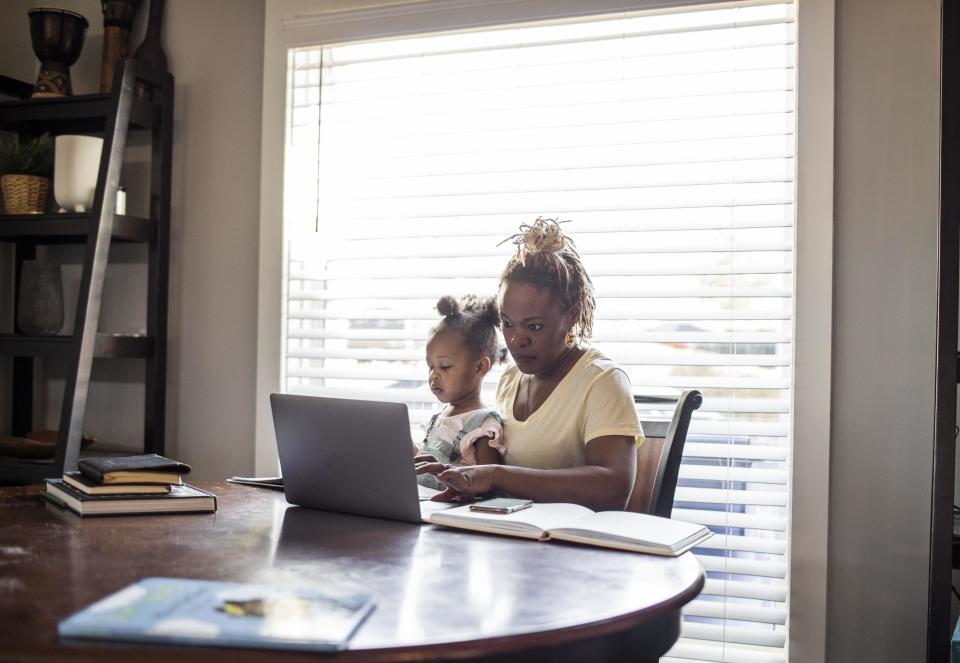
{"points": [[24, 194]]}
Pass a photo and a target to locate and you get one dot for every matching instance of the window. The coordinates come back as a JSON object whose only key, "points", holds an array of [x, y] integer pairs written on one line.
{"points": [[667, 138]]}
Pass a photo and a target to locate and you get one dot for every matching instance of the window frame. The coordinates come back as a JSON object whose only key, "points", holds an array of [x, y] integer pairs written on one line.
{"points": [[293, 23]]}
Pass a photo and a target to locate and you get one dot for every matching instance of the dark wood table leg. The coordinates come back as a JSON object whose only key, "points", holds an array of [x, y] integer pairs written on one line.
{"points": [[642, 645]]}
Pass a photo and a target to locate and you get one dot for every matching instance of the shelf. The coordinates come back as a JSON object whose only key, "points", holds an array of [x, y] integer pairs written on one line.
{"points": [[35, 470], [11, 87], [15, 471], [71, 228], [109, 116], [107, 346], [82, 113]]}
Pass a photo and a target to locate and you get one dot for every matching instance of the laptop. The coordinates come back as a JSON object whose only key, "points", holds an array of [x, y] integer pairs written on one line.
{"points": [[350, 456]]}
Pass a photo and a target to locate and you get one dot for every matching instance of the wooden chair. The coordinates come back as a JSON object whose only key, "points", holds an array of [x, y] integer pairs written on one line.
{"points": [[658, 459]]}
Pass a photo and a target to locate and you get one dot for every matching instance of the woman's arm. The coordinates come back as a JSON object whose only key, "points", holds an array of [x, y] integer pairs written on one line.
{"points": [[486, 455], [603, 483]]}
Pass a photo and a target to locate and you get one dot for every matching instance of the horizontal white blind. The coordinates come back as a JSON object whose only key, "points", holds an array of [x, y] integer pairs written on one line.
{"points": [[667, 139]]}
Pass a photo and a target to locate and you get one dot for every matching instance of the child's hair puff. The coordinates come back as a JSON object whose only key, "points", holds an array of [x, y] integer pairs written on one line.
{"points": [[546, 258], [476, 318]]}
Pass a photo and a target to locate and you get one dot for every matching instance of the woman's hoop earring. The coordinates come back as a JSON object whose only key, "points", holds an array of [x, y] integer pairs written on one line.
{"points": [[570, 339]]}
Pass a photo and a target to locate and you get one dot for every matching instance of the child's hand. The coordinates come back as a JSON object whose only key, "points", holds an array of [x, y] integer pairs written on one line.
{"points": [[424, 458]]}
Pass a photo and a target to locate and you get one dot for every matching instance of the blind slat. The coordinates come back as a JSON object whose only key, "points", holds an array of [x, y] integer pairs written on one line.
{"points": [[752, 521], [594, 221], [748, 544], [641, 386], [766, 637], [620, 313], [697, 650], [412, 271], [368, 249], [742, 451], [773, 591], [732, 497], [726, 610], [395, 395], [752, 567], [676, 337], [734, 474], [401, 292], [626, 359]]}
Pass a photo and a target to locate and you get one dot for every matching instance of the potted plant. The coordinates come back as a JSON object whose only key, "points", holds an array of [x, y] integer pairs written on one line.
{"points": [[26, 166]]}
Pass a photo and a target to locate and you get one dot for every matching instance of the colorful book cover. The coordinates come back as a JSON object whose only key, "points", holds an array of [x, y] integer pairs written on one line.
{"points": [[221, 614]]}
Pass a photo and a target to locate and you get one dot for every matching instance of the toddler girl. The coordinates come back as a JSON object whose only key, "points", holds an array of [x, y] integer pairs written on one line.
{"points": [[460, 352]]}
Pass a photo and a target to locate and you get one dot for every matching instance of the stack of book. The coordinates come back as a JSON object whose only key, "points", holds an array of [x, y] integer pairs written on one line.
{"points": [[145, 483]]}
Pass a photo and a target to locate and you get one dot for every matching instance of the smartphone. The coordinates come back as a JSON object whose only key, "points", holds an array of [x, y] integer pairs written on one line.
{"points": [[501, 505]]}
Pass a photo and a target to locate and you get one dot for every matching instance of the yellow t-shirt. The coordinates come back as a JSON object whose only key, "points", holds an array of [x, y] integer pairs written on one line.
{"points": [[592, 400]]}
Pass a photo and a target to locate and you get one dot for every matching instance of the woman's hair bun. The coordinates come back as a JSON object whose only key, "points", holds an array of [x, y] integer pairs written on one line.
{"points": [[544, 235], [448, 307], [541, 236]]}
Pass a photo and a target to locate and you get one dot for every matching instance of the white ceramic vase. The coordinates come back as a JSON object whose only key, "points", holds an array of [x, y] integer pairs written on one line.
{"points": [[75, 167]]}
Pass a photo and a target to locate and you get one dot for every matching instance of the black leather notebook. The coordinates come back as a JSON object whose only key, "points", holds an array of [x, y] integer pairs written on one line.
{"points": [[143, 468]]}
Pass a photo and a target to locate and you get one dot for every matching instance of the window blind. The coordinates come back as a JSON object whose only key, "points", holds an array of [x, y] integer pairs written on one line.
{"points": [[666, 138]]}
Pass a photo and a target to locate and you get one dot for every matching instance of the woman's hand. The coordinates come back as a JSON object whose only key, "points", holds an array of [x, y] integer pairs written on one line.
{"points": [[461, 482]]}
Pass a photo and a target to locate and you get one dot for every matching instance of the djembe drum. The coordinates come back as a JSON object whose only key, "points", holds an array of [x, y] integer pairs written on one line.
{"points": [[57, 38]]}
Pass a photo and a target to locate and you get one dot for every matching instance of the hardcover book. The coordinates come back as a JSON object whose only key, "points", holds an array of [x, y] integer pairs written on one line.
{"points": [[623, 530], [139, 469], [85, 485], [180, 499], [221, 614]]}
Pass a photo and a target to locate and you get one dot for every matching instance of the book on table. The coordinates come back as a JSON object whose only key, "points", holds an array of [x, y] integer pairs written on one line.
{"points": [[138, 469], [276, 483], [180, 499], [223, 614], [623, 530], [85, 485]]}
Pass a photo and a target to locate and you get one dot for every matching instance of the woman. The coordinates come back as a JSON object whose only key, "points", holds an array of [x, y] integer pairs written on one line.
{"points": [[568, 412]]}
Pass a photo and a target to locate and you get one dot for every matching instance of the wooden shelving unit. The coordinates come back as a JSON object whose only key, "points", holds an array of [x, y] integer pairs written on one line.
{"points": [[110, 116]]}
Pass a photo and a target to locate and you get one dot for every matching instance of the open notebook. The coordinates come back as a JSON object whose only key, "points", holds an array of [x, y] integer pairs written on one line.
{"points": [[623, 530]]}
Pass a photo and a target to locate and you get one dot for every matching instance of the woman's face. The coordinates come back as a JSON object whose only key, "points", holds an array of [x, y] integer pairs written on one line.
{"points": [[534, 325]]}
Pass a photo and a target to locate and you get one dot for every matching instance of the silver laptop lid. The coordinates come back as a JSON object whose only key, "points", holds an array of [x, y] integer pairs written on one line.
{"points": [[346, 455]]}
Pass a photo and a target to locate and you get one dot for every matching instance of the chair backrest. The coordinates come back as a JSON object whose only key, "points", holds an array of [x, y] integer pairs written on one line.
{"points": [[658, 460]]}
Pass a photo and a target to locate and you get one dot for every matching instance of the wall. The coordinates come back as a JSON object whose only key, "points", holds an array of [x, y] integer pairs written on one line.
{"points": [[215, 51], [884, 308], [885, 297]]}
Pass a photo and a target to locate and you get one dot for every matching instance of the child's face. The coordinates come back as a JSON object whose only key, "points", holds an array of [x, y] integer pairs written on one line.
{"points": [[454, 374]]}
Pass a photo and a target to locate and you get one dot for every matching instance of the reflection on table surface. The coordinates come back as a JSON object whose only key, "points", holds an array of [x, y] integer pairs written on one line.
{"points": [[437, 584], [441, 592]]}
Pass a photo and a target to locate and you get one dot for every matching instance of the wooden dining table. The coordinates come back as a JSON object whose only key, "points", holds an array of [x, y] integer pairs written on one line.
{"points": [[442, 594]]}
